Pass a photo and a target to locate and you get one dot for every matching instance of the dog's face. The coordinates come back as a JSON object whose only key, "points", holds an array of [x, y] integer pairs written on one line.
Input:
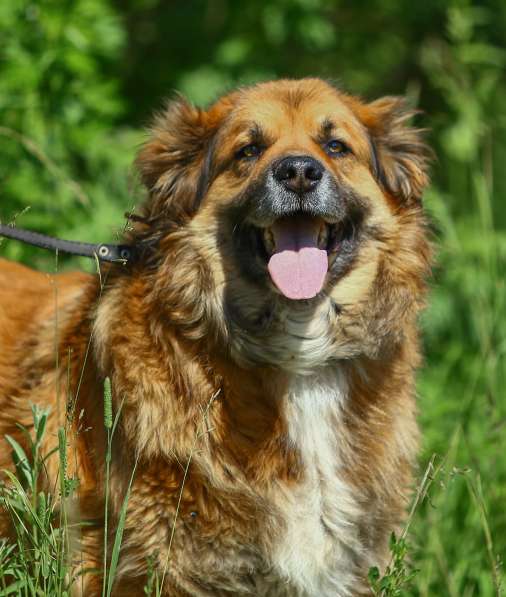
{"points": [[302, 207]]}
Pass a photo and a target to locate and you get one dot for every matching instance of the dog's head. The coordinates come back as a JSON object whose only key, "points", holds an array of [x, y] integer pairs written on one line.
{"points": [[289, 221]]}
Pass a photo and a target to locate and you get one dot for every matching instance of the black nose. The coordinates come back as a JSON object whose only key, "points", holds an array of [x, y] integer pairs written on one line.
{"points": [[299, 173]]}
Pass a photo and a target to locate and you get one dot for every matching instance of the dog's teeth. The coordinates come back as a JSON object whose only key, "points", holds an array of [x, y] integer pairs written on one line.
{"points": [[270, 245], [323, 236]]}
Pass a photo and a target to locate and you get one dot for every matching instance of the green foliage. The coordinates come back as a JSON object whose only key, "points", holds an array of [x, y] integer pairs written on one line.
{"points": [[397, 576], [58, 104], [78, 79], [462, 386], [36, 562]]}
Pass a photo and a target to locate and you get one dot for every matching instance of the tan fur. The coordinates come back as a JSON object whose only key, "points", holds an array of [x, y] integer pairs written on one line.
{"points": [[275, 450]]}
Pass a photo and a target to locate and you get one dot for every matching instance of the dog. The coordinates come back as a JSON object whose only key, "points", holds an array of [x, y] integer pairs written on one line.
{"points": [[261, 348]]}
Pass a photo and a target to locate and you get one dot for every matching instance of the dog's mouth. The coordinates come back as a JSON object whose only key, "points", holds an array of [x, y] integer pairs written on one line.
{"points": [[299, 250]]}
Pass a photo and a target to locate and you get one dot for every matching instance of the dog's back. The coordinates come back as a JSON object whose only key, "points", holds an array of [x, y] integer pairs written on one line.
{"points": [[28, 302], [27, 295]]}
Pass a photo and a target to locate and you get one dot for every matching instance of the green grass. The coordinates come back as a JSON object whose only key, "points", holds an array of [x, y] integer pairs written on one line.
{"points": [[38, 562]]}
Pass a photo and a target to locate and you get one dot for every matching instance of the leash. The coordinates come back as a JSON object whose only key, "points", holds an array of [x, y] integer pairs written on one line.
{"points": [[102, 251]]}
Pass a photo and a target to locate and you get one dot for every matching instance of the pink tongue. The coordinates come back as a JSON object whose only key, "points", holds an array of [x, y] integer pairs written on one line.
{"points": [[298, 267]]}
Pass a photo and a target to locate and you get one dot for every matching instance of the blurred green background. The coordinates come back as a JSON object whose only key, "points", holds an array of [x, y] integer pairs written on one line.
{"points": [[79, 79]]}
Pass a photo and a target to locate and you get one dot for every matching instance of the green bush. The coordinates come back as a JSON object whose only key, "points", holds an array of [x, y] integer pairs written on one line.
{"points": [[64, 161]]}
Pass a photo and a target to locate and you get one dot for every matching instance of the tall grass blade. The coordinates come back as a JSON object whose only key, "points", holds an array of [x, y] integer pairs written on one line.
{"points": [[119, 534]]}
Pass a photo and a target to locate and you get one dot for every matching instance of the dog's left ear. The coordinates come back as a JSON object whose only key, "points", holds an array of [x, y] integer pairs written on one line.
{"points": [[400, 154]]}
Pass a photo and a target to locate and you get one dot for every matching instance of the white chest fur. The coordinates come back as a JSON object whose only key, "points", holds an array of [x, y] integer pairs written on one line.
{"points": [[318, 549]]}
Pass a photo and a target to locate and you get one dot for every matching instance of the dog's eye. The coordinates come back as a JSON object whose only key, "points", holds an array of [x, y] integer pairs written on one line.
{"points": [[335, 147], [249, 151]]}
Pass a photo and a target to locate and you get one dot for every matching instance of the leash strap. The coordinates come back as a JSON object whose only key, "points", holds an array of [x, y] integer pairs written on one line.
{"points": [[104, 252]]}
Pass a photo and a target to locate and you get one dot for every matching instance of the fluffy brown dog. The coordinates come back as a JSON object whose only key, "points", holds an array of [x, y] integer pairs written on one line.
{"points": [[263, 344]]}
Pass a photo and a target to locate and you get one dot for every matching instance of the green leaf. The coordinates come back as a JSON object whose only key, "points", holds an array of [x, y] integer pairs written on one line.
{"points": [[15, 587], [40, 425], [119, 535], [21, 462]]}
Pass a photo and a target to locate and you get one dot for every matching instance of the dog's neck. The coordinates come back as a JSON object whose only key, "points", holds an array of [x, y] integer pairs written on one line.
{"points": [[297, 339]]}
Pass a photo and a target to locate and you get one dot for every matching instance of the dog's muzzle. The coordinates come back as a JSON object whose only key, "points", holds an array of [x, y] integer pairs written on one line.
{"points": [[298, 220]]}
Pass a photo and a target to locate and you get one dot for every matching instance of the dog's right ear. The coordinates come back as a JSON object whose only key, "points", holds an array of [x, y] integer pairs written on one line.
{"points": [[172, 163]]}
